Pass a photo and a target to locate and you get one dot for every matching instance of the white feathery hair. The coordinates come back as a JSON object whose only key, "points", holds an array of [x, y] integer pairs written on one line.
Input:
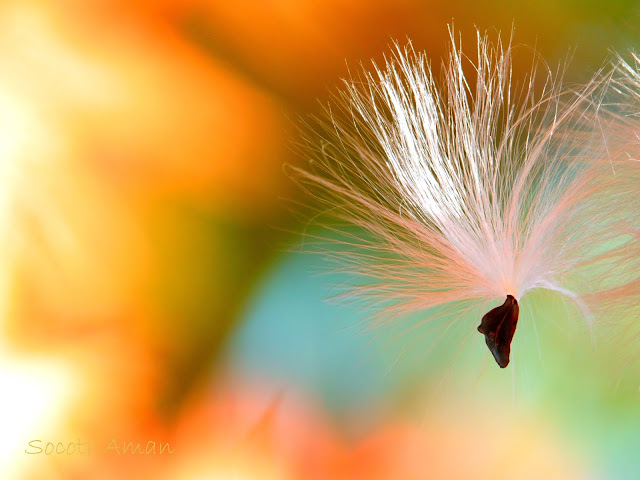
{"points": [[627, 82], [621, 113], [469, 186]]}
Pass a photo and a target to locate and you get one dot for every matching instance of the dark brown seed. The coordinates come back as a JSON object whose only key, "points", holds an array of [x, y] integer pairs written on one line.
{"points": [[498, 327]]}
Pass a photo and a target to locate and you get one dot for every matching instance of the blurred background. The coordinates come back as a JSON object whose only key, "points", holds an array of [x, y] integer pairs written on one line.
{"points": [[152, 286]]}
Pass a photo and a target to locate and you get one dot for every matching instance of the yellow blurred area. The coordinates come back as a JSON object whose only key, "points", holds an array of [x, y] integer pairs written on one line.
{"points": [[141, 154], [38, 392]]}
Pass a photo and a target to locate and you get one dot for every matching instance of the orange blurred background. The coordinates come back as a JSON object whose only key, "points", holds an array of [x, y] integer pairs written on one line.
{"points": [[144, 207]]}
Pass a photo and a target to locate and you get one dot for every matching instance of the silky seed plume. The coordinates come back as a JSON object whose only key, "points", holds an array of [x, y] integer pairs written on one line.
{"points": [[467, 187]]}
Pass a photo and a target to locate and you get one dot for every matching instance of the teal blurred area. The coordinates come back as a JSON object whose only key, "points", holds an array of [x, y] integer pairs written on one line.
{"points": [[293, 337]]}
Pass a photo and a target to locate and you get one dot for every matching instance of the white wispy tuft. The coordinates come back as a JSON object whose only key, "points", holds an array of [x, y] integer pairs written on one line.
{"points": [[469, 186], [621, 113]]}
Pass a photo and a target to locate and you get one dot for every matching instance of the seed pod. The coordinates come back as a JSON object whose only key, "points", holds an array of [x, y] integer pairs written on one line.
{"points": [[498, 327]]}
